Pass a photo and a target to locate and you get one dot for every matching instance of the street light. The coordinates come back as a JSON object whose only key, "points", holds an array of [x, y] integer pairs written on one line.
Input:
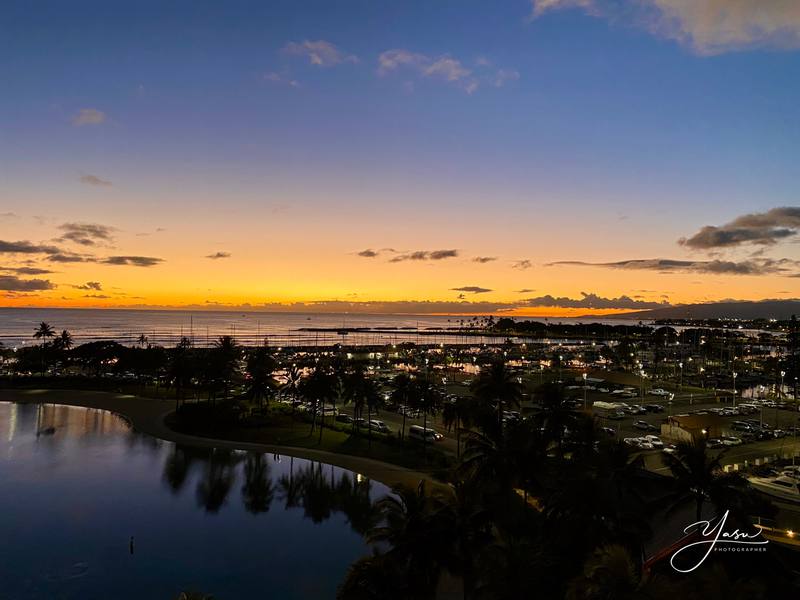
{"points": [[584, 390], [680, 384], [780, 391], [735, 374]]}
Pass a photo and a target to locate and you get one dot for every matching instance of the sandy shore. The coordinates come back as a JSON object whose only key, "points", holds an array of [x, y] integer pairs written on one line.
{"points": [[147, 415]]}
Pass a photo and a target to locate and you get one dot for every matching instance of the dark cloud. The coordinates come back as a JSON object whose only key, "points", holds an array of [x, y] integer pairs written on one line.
{"points": [[12, 283], [26, 270], [218, 255], [132, 261], [89, 285], [762, 266], [70, 258], [524, 291], [9, 215], [764, 229], [102, 296], [86, 234], [592, 301], [369, 253], [95, 180], [484, 259], [24, 247], [471, 289], [425, 255], [522, 264]]}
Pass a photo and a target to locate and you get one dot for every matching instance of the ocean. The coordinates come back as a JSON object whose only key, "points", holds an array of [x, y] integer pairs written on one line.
{"points": [[166, 327]]}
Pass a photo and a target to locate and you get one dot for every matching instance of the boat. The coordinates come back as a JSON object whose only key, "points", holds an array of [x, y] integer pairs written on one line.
{"points": [[785, 488]]}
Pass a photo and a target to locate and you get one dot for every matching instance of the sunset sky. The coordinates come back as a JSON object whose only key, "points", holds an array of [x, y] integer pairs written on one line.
{"points": [[547, 157]]}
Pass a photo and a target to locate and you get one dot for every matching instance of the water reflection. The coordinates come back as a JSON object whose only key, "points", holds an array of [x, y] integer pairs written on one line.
{"points": [[222, 521]]}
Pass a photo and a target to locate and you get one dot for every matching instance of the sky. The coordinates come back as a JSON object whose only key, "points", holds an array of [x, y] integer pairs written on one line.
{"points": [[545, 157]]}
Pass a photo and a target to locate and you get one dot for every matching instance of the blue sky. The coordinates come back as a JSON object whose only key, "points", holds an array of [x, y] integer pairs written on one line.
{"points": [[642, 126]]}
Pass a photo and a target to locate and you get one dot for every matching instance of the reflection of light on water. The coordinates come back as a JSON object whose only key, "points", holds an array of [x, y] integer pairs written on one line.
{"points": [[12, 423]]}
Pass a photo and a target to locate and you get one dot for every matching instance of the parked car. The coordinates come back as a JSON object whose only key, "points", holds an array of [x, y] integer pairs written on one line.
{"points": [[671, 449], [659, 392], [714, 443], [379, 426], [417, 432], [644, 426], [342, 418], [729, 440], [656, 408], [655, 441], [608, 431]]}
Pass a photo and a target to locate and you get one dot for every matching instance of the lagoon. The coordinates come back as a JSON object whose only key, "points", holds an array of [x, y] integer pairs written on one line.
{"points": [[77, 484]]}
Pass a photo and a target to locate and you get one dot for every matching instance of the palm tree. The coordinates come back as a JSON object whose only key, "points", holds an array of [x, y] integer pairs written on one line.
{"points": [[260, 367], [556, 414], [498, 386], [43, 332], [318, 388], [223, 360], [699, 478], [611, 572], [410, 527], [401, 389], [142, 340], [426, 397]]}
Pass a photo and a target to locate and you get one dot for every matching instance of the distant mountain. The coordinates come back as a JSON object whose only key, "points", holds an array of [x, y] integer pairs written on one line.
{"points": [[764, 309]]}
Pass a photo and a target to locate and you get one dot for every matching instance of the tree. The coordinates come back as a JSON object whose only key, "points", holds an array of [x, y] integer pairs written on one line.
{"points": [[320, 386], [699, 478], [222, 362], [556, 414], [43, 333], [499, 387], [417, 544], [260, 367], [401, 390]]}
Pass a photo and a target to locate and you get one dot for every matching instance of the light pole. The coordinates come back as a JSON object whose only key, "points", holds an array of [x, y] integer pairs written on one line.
{"points": [[560, 360], [735, 374], [702, 378], [680, 383], [780, 390], [584, 391]]}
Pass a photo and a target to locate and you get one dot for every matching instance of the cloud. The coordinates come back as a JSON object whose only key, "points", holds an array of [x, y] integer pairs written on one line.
{"points": [[88, 116], [320, 53], [86, 234], [369, 253], [763, 266], [67, 257], [89, 285], [764, 229], [274, 77], [592, 301], [484, 259], [94, 180], [522, 264], [425, 255], [99, 296], [218, 255], [12, 283], [9, 215], [24, 247], [471, 289], [707, 27], [132, 261], [445, 68], [524, 291], [26, 270]]}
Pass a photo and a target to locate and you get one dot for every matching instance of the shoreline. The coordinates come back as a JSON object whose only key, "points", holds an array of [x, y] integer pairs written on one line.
{"points": [[147, 415]]}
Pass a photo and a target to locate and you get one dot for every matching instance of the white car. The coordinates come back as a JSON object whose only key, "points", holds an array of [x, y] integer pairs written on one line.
{"points": [[659, 392], [654, 440], [671, 449], [729, 440]]}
